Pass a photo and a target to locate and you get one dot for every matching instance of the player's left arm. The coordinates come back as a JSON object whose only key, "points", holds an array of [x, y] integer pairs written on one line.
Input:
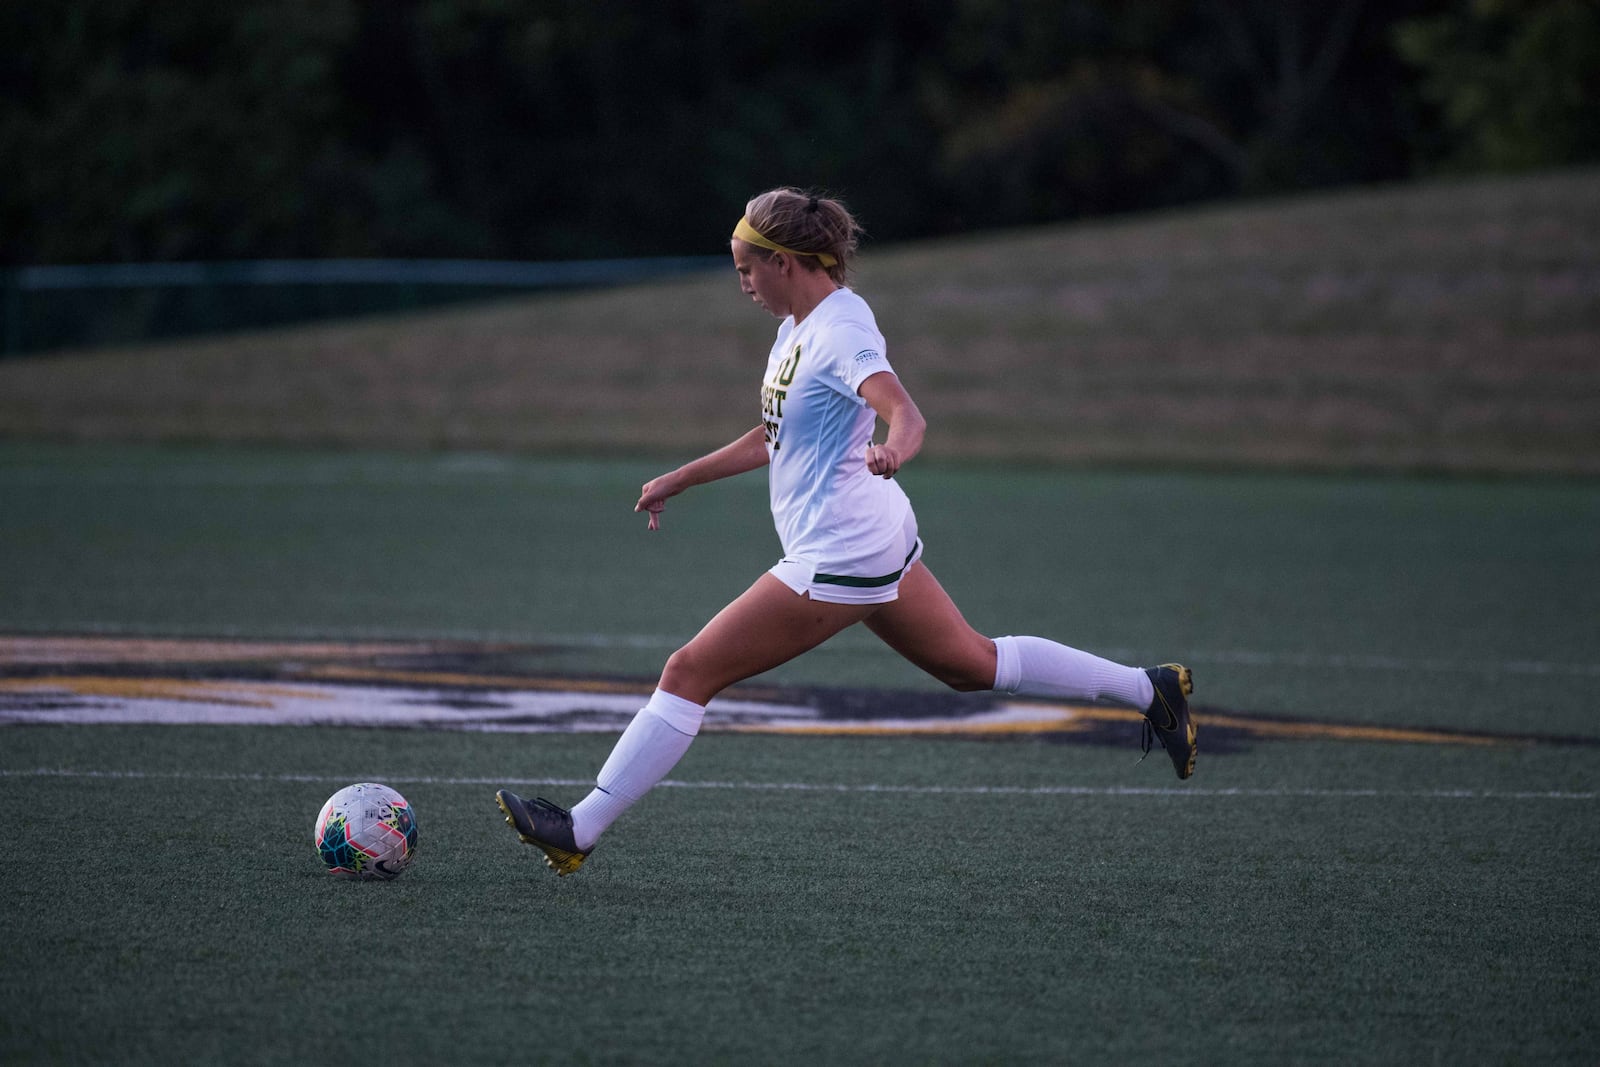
{"points": [[895, 407]]}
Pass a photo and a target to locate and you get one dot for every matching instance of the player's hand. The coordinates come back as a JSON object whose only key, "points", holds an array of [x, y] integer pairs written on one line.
{"points": [[882, 460], [653, 498]]}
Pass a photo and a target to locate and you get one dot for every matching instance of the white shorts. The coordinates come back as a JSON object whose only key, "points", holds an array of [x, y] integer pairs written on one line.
{"points": [[871, 581]]}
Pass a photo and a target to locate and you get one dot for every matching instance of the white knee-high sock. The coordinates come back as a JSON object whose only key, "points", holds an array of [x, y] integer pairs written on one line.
{"points": [[1034, 666], [651, 746]]}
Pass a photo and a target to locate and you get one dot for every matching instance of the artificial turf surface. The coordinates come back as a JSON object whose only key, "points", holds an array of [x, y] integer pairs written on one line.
{"points": [[790, 900], [796, 899]]}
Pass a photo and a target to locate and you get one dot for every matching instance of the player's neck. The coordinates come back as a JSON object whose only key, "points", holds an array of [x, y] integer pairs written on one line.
{"points": [[809, 294]]}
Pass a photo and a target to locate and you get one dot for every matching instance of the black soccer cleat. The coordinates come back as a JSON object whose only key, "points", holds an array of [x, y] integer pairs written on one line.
{"points": [[544, 826], [1168, 716]]}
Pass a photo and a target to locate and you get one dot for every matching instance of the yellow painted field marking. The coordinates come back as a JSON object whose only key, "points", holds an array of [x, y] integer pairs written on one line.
{"points": [[314, 670], [339, 672], [237, 694]]}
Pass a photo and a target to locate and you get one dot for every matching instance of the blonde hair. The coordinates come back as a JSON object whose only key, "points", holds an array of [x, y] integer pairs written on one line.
{"points": [[811, 224]]}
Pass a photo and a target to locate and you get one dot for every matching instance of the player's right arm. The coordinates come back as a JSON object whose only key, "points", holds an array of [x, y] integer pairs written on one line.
{"points": [[745, 453]]}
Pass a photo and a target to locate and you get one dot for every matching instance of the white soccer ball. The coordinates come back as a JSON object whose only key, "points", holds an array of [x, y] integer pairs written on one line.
{"points": [[366, 831]]}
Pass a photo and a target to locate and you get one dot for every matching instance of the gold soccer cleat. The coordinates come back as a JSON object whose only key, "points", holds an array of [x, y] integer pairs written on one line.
{"points": [[1168, 716], [544, 826]]}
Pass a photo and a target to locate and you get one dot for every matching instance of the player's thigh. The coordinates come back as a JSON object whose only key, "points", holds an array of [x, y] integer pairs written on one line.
{"points": [[924, 625], [767, 625]]}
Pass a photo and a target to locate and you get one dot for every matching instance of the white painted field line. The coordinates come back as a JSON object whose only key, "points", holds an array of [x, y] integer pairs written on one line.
{"points": [[845, 787]]}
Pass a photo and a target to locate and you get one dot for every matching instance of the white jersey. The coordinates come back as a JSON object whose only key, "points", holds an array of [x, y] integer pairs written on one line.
{"points": [[829, 510]]}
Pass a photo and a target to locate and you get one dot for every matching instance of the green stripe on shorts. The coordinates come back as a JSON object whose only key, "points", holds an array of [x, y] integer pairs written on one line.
{"points": [[863, 583]]}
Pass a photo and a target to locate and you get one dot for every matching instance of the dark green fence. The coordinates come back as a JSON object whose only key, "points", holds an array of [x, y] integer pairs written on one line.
{"points": [[54, 307]]}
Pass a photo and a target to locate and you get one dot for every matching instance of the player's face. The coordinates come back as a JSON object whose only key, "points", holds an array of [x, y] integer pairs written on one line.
{"points": [[761, 279]]}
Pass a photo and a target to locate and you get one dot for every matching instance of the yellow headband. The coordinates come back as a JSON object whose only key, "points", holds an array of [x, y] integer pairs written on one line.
{"points": [[746, 232]]}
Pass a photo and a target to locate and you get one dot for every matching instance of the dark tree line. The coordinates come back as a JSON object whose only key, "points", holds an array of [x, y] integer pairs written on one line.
{"points": [[589, 128]]}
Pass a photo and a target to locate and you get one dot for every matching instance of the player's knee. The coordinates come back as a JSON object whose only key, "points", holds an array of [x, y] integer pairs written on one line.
{"points": [[689, 675], [680, 666]]}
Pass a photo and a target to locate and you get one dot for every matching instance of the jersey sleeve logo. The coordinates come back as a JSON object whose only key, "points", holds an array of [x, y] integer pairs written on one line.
{"points": [[868, 355]]}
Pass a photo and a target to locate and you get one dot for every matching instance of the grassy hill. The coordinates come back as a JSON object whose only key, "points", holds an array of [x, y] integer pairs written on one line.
{"points": [[1447, 326]]}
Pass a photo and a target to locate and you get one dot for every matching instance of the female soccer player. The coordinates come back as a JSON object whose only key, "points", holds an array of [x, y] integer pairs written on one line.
{"points": [[851, 553]]}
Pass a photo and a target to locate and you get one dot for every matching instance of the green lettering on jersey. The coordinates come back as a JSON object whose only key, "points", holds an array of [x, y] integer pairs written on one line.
{"points": [[787, 368]]}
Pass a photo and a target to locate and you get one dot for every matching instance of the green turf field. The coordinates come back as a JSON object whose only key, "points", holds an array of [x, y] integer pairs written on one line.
{"points": [[810, 899], [1439, 603], [177, 914]]}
